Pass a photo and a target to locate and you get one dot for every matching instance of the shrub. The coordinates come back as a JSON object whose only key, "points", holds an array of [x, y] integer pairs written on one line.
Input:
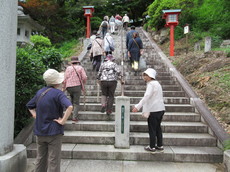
{"points": [[51, 58], [95, 23], [40, 41], [29, 72], [31, 64]]}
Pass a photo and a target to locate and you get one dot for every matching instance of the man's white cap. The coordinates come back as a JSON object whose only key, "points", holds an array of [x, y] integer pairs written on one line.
{"points": [[151, 73]]}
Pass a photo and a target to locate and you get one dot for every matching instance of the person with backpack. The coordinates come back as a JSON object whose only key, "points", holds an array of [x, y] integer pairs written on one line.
{"points": [[104, 27]]}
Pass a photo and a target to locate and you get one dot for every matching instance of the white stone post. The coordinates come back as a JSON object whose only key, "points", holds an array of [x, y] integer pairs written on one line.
{"points": [[12, 157], [122, 122], [208, 44]]}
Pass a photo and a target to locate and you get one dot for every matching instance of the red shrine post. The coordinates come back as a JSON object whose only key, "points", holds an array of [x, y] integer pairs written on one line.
{"points": [[88, 12], [171, 17]]}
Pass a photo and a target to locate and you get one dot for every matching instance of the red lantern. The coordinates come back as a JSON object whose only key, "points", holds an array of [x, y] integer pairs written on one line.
{"points": [[88, 12], [171, 17]]}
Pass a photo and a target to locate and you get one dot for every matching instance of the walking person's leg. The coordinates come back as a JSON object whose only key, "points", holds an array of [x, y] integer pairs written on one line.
{"points": [[75, 93], [152, 122], [54, 159], [98, 63], [112, 85], [103, 96], [159, 117], [42, 155]]}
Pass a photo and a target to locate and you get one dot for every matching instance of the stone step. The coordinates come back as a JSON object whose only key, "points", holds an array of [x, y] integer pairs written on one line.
{"points": [[137, 82], [135, 100], [137, 126], [89, 73], [138, 77], [140, 87], [137, 93], [170, 139], [137, 152], [176, 117], [168, 107]]}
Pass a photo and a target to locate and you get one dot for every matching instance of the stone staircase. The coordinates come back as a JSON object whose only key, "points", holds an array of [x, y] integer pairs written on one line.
{"points": [[186, 137]]}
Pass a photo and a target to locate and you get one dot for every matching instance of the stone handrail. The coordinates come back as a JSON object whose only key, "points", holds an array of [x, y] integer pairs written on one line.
{"points": [[200, 106]]}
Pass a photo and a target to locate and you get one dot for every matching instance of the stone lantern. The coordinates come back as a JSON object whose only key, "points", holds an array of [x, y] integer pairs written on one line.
{"points": [[26, 27]]}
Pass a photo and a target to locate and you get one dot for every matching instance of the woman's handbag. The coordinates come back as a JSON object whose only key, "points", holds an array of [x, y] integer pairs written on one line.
{"points": [[145, 114], [142, 63], [110, 47]]}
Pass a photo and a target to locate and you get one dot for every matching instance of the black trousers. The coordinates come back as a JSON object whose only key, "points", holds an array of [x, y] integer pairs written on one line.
{"points": [[108, 90], [154, 125]]}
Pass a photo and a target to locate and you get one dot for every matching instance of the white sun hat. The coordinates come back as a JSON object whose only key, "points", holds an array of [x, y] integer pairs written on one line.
{"points": [[151, 73], [53, 77]]}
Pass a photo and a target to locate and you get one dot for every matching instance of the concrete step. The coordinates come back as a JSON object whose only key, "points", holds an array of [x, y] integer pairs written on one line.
{"points": [[136, 82], [137, 152], [138, 77], [137, 126], [170, 139], [135, 100], [168, 116], [127, 73], [138, 93], [140, 87], [168, 107]]}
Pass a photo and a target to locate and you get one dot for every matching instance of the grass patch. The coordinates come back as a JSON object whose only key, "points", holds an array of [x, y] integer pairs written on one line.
{"points": [[67, 48]]}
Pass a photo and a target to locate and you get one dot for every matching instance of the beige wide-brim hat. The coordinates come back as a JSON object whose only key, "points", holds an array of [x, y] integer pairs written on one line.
{"points": [[53, 77], [151, 73]]}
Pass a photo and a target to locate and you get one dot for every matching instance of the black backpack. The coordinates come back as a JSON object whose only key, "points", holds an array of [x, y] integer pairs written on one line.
{"points": [[104, 24]]}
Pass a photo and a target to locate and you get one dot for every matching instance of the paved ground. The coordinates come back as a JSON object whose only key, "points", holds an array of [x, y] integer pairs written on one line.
{"points": [[68, 165]]}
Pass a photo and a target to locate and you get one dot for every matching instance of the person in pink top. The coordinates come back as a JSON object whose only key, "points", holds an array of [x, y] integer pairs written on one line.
{"points": [[74, 80]]}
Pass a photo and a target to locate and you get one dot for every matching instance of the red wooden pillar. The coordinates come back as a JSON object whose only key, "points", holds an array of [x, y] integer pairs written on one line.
{"points": [[88, 10], [171, 17], [171, 40], [88, 27]]}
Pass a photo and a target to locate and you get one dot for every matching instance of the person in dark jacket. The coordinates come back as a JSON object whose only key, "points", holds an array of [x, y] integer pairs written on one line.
{"points": [[129, 35], [47, 108], [135, 50]]}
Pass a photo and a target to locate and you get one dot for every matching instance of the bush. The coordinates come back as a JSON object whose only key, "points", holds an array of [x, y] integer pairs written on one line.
{"points": [[95, 23], [30, 65], [51, 58], [29, 72], [40, 41]]}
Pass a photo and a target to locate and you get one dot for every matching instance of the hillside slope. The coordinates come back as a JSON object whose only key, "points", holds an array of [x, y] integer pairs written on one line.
{"points": [[209, 75]]}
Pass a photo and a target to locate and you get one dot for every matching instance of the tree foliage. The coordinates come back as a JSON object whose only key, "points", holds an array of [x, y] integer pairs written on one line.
{"points": [[202, 16]]}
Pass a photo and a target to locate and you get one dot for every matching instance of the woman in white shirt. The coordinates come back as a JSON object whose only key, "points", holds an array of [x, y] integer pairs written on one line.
{"points": [[108, 44], [153, 106]]}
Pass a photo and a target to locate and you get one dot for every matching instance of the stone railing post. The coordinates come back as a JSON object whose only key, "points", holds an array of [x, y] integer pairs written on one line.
{"points": [[122, 122]]}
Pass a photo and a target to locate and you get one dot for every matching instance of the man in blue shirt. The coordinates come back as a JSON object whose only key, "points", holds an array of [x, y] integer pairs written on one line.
{"points": [[47, 108]]}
